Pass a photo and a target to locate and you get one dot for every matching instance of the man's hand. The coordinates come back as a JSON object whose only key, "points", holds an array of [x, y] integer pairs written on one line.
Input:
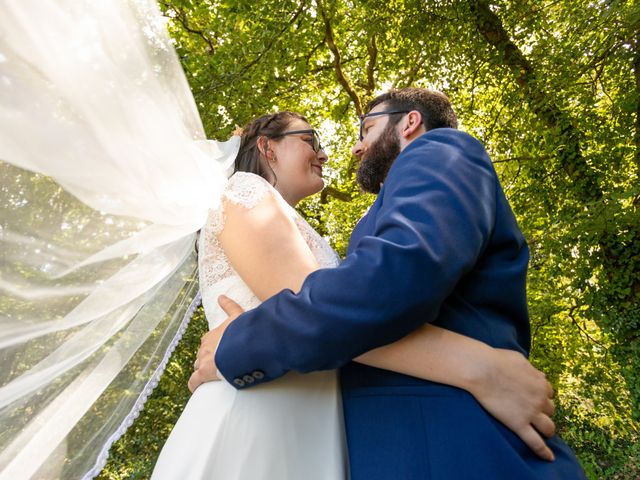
{"points": [[205, 369], [520, 397]]}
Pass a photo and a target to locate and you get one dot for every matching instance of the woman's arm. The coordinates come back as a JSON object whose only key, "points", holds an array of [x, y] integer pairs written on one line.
{"points": [[503, 381], [267, 250], [265, 247]]}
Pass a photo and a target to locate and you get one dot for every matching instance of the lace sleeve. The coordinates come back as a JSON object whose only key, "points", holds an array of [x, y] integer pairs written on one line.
{"points": [[247, 190]]}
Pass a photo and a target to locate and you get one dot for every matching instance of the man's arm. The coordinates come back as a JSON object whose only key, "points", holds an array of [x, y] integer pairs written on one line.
{"points": [[503, 381], [436, 217]]}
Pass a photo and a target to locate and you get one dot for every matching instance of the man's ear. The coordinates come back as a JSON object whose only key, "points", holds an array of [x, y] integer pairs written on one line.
{"points": [[412, 125]]}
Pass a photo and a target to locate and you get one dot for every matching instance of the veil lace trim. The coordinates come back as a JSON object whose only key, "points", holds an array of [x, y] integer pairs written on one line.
{"points": [[103, 456]]}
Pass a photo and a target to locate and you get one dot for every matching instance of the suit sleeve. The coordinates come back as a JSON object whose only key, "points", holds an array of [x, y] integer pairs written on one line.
{"points": [[436, 217]]}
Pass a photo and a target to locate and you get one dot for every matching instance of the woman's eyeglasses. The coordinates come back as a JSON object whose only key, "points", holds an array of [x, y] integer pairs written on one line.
{"points": [[313, 141]]}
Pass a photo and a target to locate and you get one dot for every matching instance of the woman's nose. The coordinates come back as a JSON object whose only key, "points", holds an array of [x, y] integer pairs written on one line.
{"points": [[322, 156]]}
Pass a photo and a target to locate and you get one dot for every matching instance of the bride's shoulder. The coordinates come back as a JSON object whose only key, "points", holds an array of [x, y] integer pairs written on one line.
{"points": [[249, 177], [247, 189]]}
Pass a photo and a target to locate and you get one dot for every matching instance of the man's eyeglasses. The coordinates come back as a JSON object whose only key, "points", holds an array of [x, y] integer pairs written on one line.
{"points": [[313, 141], [375, 114]]}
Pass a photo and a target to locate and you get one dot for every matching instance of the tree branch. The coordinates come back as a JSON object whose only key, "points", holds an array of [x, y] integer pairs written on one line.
{"points": [[337, 63], [324, 68], [411, 76], [182, 18], [636, 72], [543, 105], [232, 77], [583, 330], [520, 159], [330, 191], [372, 49]]}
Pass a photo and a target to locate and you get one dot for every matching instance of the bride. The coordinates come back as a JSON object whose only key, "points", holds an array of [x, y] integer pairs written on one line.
{"points": [[292, 428], [107, 175]]}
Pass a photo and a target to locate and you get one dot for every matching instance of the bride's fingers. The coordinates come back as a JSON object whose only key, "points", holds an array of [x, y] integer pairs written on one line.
{"points": [[536, 443], [549, 408], [550, 392], [230, 307], [544, 425]]}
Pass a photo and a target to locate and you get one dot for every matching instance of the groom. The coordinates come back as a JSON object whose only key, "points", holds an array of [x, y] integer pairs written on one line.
{"points": [[440, 245]]}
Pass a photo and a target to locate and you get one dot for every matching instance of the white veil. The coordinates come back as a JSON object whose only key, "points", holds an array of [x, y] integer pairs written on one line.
{"points": [[106, 175]]}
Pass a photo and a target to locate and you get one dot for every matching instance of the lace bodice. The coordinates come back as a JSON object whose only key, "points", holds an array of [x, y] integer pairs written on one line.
{"points": [[217, 276]]}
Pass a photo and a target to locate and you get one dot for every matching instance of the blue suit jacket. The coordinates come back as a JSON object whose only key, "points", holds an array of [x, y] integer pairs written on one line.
{"points": [[441, 245]]}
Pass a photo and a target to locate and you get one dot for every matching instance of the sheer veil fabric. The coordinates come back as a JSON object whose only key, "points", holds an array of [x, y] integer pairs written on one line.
{"points": [[106, 175]]}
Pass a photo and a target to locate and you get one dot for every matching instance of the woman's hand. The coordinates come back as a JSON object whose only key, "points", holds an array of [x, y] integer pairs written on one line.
{"points": [[502, 381], [519, 396]]}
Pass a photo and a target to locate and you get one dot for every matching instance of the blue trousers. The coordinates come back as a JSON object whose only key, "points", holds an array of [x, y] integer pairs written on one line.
{"points": [[437, 432]]}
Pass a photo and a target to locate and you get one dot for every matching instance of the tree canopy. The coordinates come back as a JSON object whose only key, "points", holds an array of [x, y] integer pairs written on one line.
{"points": [[550, 87]]}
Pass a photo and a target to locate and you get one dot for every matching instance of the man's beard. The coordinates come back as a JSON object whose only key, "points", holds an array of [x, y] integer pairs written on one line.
{"points": [[377, 160]]}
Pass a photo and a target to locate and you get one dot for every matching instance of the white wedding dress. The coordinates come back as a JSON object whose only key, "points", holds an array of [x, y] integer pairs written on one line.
{"points": [[289, 429]]}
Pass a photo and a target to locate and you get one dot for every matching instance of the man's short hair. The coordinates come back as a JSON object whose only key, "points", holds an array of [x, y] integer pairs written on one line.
{"points": [[435, 107]]}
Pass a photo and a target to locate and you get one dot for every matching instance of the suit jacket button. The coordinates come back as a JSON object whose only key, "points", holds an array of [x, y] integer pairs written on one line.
{"points": [[258, 374], [248, 379], [239, 382]]}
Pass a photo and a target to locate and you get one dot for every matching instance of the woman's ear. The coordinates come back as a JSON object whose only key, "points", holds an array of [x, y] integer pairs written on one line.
{"points": [[263, 146]]}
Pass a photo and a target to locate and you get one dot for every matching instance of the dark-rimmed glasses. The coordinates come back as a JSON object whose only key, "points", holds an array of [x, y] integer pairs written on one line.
{"points": [[314, 142], [362, 118]]}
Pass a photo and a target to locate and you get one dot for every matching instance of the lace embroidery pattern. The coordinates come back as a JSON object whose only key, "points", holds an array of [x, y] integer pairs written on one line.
{"points": [[324, 254], [245, 189]]}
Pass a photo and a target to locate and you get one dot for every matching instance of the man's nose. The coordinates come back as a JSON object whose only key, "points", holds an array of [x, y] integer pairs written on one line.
{"points": [[358, 149]]}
